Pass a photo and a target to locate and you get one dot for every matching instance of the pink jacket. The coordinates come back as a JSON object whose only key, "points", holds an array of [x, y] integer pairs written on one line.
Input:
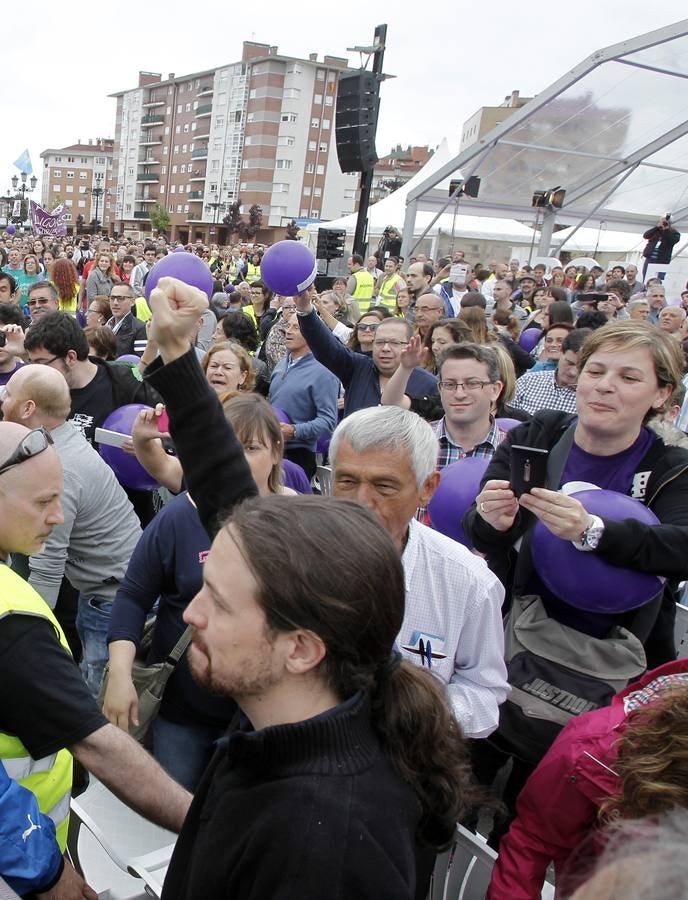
{"points": [[558, 807]]}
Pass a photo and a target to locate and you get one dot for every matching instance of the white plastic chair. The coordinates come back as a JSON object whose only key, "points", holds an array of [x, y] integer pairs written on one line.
{"points": [[681, 630], [464, 871], [117, 851]]}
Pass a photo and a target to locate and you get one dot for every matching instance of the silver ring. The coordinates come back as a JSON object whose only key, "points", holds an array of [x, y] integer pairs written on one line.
{"points": [[482, 507]]}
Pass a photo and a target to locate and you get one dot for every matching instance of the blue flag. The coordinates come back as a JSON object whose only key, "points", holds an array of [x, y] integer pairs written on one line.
{"points": [[24, 163]]}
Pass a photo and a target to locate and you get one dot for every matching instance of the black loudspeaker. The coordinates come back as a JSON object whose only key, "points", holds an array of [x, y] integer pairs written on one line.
{"points": [[472, 187], [356, 120]]}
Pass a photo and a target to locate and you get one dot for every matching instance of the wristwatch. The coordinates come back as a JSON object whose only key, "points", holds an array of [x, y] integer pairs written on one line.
{"points": [[592, 535]]}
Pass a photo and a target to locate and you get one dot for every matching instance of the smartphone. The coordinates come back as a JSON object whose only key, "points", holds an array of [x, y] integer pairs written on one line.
{"points": [[163, 422], [528, 468]]}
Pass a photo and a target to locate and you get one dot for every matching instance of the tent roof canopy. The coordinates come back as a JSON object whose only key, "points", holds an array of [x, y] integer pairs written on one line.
{"points": [[613, 132]]}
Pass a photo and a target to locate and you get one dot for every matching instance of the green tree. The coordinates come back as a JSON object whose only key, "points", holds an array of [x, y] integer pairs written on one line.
{"points": [[248, 230], [160, 218], [233, 218]]}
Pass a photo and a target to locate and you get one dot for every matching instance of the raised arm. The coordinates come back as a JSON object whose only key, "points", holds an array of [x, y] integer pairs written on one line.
{"points": [[414, 355], [213, 461], [329, 351]]}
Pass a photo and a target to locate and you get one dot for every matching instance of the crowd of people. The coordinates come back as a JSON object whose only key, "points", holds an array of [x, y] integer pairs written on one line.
{"points": [[352, 680]]}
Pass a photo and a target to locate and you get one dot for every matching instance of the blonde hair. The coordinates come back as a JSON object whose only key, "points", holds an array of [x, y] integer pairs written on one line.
{"points": [[245, 363]]}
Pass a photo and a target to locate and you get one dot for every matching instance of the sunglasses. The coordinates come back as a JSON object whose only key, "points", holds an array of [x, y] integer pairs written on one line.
{"points": [[35, 442]]}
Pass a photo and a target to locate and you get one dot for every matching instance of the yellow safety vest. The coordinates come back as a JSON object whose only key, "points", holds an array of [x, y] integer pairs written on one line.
{"points": [[49, 779], [142, 310], [387, 290], [252, 273], [365, 285]]}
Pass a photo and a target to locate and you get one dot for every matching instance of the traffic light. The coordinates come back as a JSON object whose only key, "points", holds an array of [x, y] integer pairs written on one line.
{"points": [[330, 243]]}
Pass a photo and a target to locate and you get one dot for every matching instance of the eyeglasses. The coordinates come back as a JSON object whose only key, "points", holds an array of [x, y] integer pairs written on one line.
{"points": [[35, 442], [472, 385], [366, 327], [431, 308], [289, 309], [44, 362], [380, 342]]}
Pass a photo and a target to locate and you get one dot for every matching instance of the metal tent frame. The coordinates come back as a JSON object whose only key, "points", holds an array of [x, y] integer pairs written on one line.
{"points": [[613, 131]]}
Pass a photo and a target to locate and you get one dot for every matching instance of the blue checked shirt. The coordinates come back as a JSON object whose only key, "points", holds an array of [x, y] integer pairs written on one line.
{"points": [[450, 452]]}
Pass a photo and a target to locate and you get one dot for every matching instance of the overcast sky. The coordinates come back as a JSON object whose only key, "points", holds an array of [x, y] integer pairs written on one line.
{"points": [[449, 58]]}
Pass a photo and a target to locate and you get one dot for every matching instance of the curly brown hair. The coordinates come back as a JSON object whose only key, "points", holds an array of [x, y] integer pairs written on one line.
{"points": [[652, 759], [65, 278]]}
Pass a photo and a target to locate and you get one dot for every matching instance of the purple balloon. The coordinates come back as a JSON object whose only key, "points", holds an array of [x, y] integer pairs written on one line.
{"points": [[180, 250], [281, 415], [10, 229], [288, 268], [323, 444], [129, 358], [188, 268], [459, 486], [585, 580], [529, 338], [129, 471], [506, 424]]}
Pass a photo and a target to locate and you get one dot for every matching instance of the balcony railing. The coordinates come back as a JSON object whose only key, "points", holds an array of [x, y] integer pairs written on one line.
{"points": [[204, 110], [154, 119], [205, 90], [147, 176], [195, 195], [141, 214], [151, 141], [199, 153], [149, 161]]}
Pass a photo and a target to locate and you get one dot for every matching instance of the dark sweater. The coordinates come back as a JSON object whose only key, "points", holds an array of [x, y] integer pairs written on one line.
{"points": [[356, 371], [311, 810], [168, 564]]}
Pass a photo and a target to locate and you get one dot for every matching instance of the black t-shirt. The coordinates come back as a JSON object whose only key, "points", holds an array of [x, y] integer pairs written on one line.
{"points": [[92, 404], [45, 701]]}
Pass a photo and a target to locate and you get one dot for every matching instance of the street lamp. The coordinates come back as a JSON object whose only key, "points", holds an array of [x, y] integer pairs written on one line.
{"points": [[98, 191], [21, 190], [216, 207]]}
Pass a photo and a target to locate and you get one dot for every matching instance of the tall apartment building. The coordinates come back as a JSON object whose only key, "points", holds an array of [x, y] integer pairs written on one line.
{"points": [[395, 169], [72, 175], [260, 130], [487, 117]]}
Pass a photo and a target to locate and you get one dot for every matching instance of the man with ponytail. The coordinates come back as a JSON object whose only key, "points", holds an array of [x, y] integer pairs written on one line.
{"points": [[345, 769]]}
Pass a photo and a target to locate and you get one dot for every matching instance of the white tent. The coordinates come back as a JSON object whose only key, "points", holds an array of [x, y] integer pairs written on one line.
{"points": [[587, 239], [391, 209]]}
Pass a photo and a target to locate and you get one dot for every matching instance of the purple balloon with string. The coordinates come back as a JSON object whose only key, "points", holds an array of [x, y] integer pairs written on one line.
{"points": [[128, 470], [10, 229], [288, 268], [529, 338], [584, 579], [459, 486], [187, 267]]}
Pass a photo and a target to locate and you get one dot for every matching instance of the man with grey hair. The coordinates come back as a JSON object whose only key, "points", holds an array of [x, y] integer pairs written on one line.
{"points": [[385, 458], [42, 300], [130, 331]]}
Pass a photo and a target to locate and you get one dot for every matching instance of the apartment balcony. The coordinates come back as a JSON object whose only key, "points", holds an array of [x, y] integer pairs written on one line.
{"points": [[154, 119], [201, 137], [194, 195], [204, 110], [152, 103], [151, 141], [197, 176], [193, 217], [149, 177], [146, 199], [200, 153], [149, 161], [205, 90], [141, 214]]}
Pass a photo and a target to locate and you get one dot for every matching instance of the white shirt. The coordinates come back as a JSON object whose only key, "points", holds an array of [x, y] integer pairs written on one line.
{"points": [[453, 599]]}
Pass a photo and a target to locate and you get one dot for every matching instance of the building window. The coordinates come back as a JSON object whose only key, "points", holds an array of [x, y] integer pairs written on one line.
{"points": [[250, 117], [317, 99], [173, 189], [174, 170], [186, 207], [179, 109], [83, 175], [163, 170], [84, 160], [312, 145], [219, 122], [70, 174], [169, 110], [175, 149], [304, 213], [317, 192], [326, 124], [287, 117], [280, 187], [214, 165], [322, 147], [310, 168], [331, 76], [284, 164], [252, 94], [82, 190], [58, 159], [182, 168], [307, 191], [162, 188], [292, 93], [329, 100], [186, 128], [57, 173], [188, 107], [315, 213], [294, 69], [177, 129], [320, 170], [315, 122], [70, 159], [185, 147], [179, 207], [170, 208], [69, 202], [81, 204], [320, 75], [56, 187]]}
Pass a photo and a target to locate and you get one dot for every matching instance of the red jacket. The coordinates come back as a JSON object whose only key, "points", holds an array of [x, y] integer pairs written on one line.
{"points": [[558, 807]]}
